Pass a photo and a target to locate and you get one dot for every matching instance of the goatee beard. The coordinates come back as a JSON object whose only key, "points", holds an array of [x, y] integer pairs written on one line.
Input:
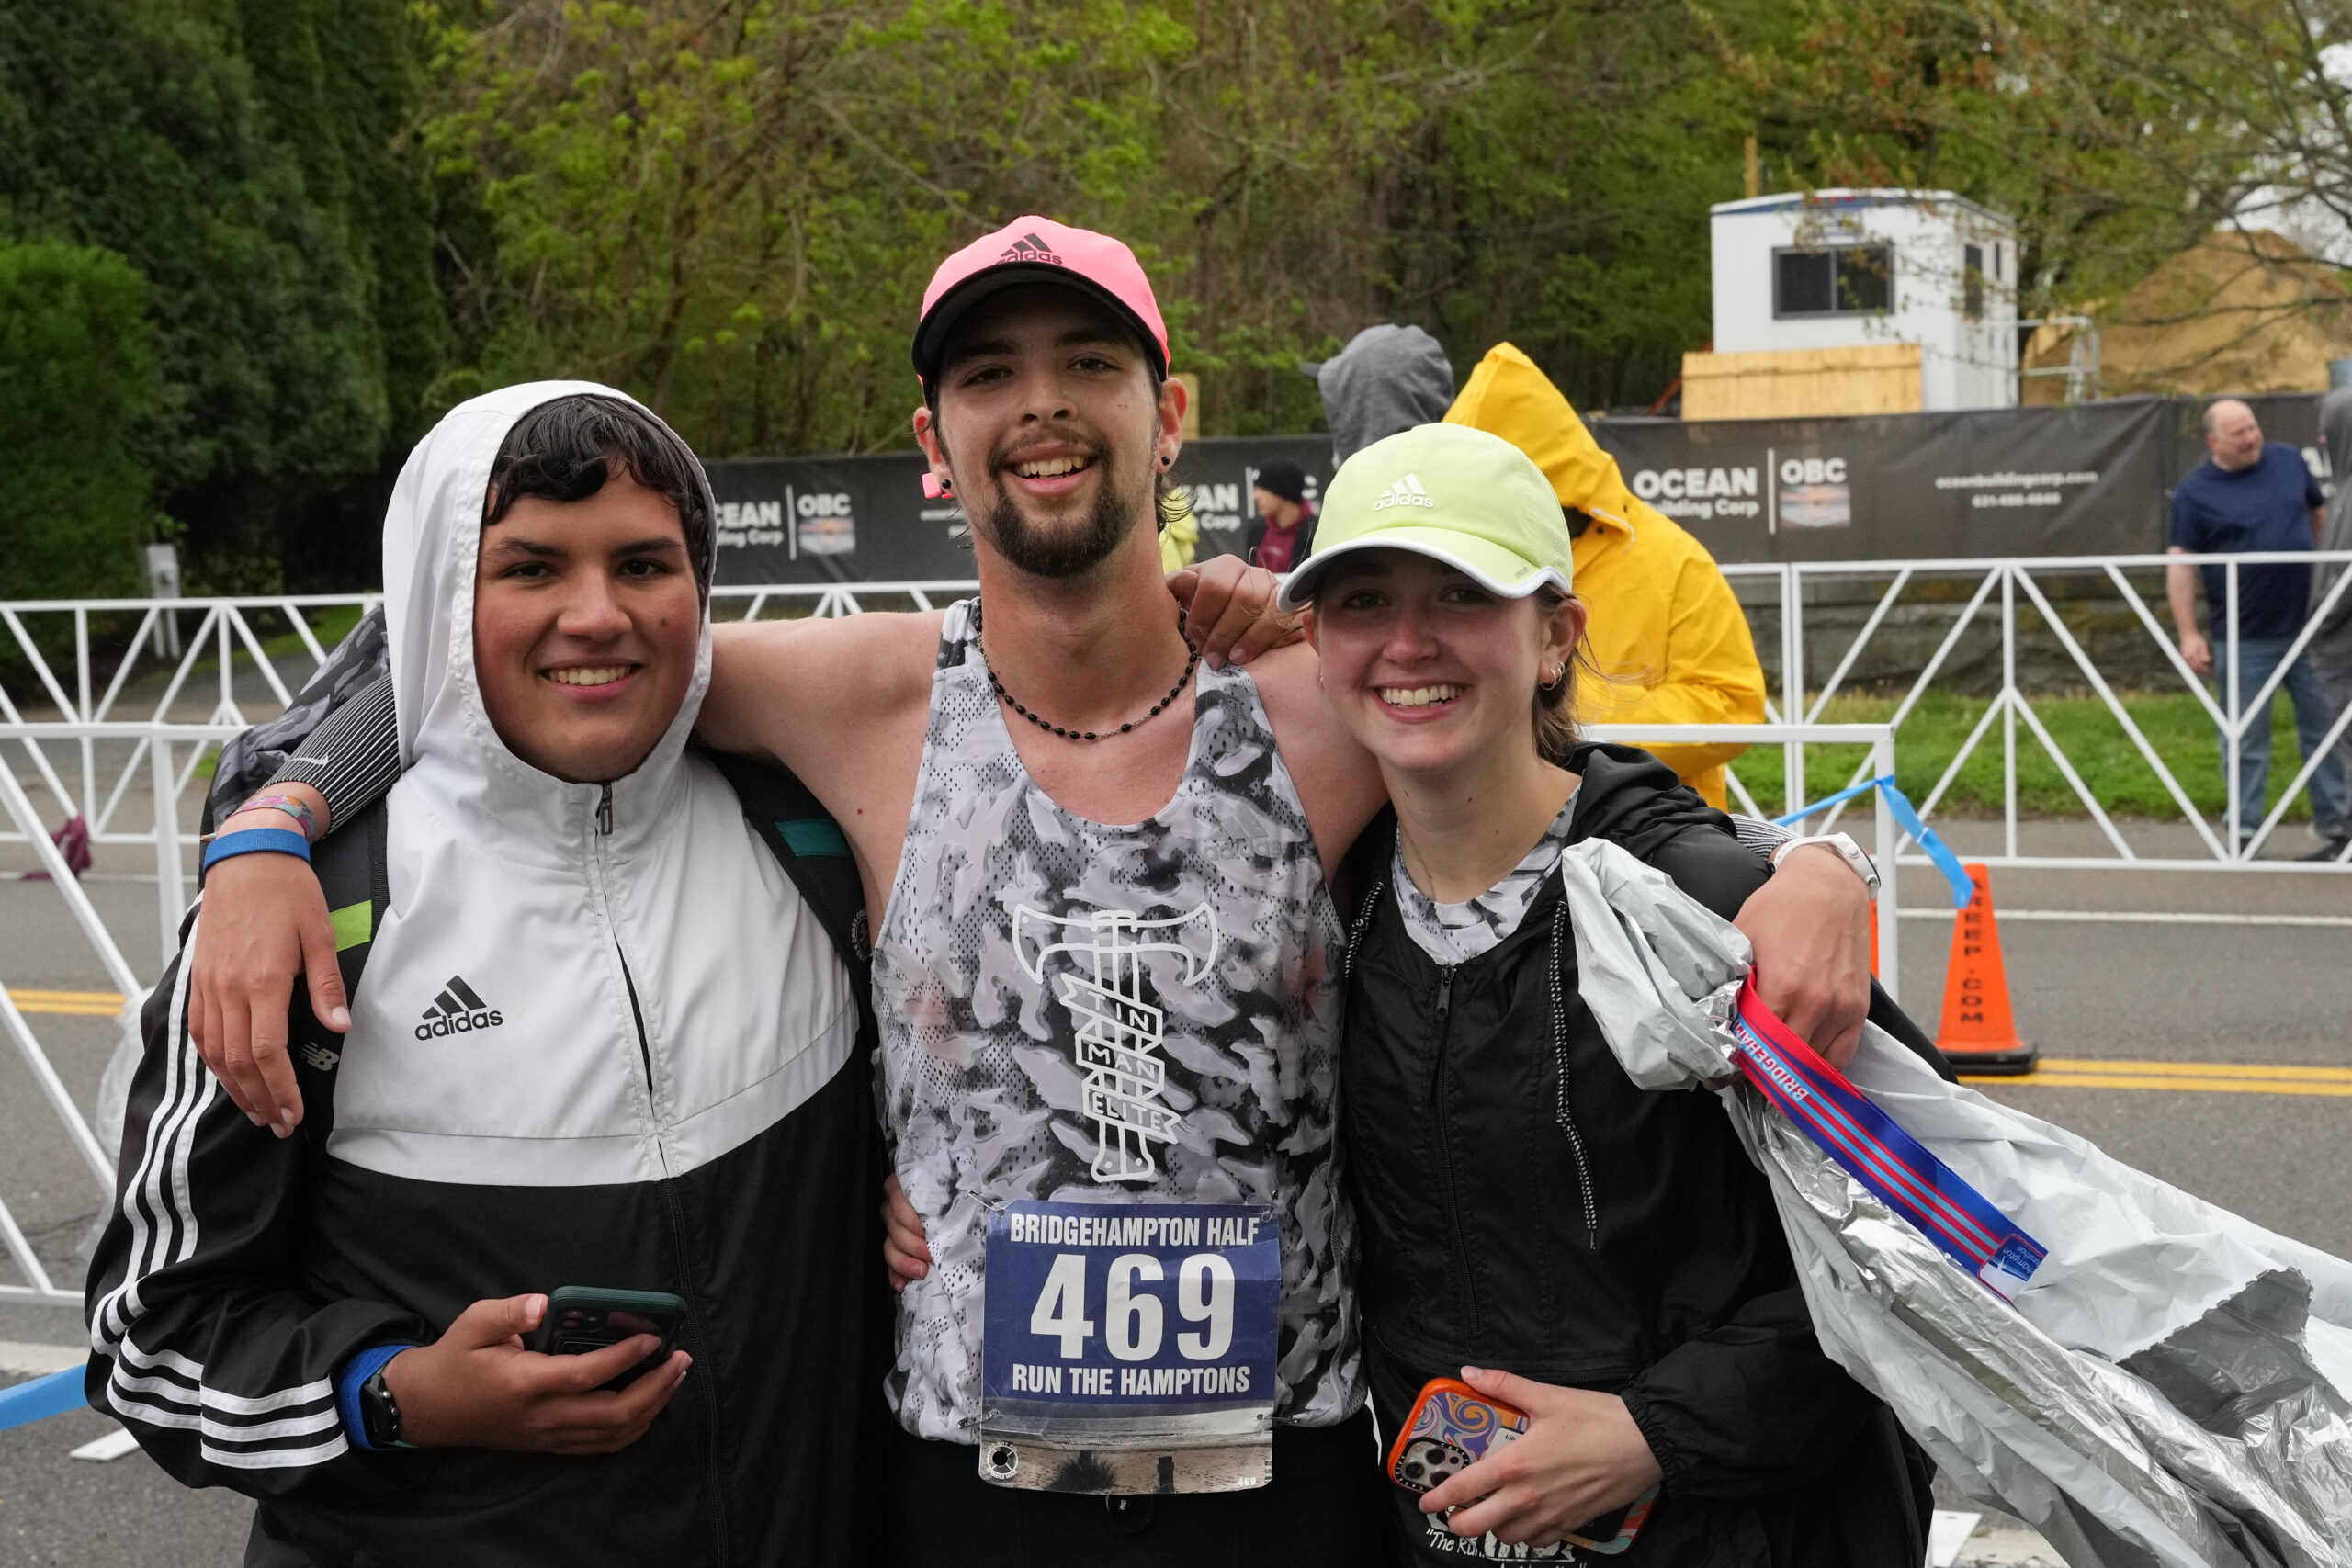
{"points": [[1060, 554]]}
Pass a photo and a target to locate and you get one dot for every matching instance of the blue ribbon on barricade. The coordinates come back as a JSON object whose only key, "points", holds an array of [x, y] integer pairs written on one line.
{"points": [[1872, 1147], [26, 1403], [1906, 818]]}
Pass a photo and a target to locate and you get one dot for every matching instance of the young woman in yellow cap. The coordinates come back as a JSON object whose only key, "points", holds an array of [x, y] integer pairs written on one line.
{"points": [[1601, 1257]]}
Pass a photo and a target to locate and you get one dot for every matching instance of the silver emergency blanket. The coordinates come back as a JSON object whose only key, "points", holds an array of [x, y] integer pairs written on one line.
{"points": [[2168, 1388]]}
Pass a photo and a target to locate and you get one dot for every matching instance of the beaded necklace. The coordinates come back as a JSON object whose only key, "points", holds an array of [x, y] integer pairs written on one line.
{"points": [[1182, 630]]}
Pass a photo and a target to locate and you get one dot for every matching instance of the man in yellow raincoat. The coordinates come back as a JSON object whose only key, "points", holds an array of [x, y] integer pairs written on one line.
{"points": [[1665, 627]]}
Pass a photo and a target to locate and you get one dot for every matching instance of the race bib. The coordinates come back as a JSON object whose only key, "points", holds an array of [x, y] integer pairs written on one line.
{"points": [[1130, 1348]]}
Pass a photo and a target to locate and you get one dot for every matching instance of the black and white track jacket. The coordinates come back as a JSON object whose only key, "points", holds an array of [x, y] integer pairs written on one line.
{"points": [[600, 1038]]}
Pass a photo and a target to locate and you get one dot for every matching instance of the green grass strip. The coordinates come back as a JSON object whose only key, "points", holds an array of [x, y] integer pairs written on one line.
{"points": [[2110, 765]]}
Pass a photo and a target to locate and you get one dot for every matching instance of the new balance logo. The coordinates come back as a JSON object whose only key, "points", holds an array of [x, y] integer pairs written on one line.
{"points": [[1029, 248], [456, 1010], [1407, 491]]}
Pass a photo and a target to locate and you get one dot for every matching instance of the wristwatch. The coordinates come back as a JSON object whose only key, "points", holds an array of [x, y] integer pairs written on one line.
{"points": [[379, 1412], [1848, 850]]}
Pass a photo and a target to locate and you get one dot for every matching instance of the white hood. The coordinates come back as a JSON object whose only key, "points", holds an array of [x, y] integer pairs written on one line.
{"points": [[549, 1000], [432, 542]]}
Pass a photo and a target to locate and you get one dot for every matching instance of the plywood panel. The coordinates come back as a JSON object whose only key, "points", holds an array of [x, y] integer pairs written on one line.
{"points": [[1880, 378]]}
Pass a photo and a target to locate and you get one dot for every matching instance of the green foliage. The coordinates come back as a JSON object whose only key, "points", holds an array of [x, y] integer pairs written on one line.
{"points": [[77, 379], [730, 209], [248, 159], [2116, 134]]}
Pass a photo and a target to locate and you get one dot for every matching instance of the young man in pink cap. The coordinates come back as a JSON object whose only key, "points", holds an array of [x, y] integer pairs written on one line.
{"points": [[1105, 962], [1097, 868]]}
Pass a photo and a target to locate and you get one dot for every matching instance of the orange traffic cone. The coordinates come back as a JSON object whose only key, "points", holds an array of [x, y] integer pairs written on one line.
{"points": [[1978, 1034]]}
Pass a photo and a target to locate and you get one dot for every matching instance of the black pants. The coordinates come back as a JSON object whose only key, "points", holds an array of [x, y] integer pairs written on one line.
{"points": [[1326, 1508]]}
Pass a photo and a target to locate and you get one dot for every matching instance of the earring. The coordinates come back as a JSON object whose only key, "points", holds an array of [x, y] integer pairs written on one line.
{"points": [[1165, 460]]}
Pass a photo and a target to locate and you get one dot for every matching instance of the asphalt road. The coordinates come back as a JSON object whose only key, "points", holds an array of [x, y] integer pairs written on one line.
{"points": [[2205, 993]]}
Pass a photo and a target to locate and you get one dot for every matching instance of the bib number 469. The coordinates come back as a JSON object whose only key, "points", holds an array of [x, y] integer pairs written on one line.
{"points": [[1135, 1317]]}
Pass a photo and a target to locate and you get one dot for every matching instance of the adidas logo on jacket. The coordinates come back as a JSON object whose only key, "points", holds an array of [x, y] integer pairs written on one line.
{"points": [[456, 1010]]}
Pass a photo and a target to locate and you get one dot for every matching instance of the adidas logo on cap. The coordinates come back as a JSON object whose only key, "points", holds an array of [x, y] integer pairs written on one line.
{"points": [[1029, 248], [1407, 491], [457, 1011]]}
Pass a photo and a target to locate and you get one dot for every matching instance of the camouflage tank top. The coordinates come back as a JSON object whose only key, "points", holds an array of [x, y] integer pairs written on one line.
{"points": [[1212, 922]]}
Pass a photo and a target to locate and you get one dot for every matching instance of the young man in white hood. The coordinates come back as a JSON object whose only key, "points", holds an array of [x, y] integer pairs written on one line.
{"points": [[601, 1039]]}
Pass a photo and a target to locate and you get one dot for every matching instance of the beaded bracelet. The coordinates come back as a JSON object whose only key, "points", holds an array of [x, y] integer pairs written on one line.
{"points": [[278, 800]]}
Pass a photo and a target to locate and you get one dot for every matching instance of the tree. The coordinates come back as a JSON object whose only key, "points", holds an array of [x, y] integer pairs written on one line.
{"points": [[78, 381], [245, 159], [731, 206], [2116, 134]]}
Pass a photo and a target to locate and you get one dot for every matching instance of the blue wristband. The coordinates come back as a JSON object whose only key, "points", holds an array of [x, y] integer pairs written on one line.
{"points": [[257, 841], [353, 1377]]}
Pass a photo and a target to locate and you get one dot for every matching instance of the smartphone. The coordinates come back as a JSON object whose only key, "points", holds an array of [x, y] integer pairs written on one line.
{"points": [[582, 1318], [1452, 1427]]}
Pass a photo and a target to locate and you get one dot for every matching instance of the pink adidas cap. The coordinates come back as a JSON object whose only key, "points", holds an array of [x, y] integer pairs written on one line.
{"points": [[1037, 250]]}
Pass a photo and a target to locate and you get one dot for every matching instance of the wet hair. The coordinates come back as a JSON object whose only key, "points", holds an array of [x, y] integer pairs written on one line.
{"points": [[567, 450], [1555, 706]]}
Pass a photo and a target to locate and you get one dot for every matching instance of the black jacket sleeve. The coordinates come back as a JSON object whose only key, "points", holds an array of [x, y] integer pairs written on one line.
{"points": [[203, 1343], [1633, 798], [1751, 1409], [252, 759], [353, 758]]}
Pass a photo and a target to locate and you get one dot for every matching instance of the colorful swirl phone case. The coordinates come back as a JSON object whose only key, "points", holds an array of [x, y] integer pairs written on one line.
{"points": [[1452, 1427]]}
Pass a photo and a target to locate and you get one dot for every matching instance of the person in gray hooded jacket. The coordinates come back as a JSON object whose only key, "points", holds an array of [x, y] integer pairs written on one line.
{"points": [[1388, 379]]}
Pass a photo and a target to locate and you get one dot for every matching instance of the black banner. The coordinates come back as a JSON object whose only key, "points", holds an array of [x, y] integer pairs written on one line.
{"points": [[2095, 479], [866, 519]]}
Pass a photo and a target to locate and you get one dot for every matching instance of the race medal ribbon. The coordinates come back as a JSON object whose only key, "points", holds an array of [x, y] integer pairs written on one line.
{"points": [[1130, 1347], [1896, 1168]]}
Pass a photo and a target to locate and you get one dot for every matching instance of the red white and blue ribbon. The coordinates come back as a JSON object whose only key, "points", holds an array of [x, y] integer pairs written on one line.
{"points": [[1875, 1151]]}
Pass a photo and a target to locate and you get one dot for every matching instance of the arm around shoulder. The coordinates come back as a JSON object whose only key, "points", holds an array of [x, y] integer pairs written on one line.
{"points": [[790, 691], [1339, 782]]}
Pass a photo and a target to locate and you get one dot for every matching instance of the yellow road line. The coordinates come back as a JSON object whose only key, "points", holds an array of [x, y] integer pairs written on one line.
{"points": [[2196, 1077], [2194, 1069], [83, 1004]]}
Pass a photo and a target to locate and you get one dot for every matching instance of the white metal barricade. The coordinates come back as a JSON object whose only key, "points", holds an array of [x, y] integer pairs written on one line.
{"points": [[2001, 595], [2007, 588], [161, 744]]}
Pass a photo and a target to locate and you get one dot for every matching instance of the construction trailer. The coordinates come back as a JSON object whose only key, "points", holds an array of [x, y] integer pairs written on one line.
{"points": [[1858, 301]]}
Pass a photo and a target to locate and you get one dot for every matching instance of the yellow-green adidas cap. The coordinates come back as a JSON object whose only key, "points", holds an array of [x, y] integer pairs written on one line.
{"points": [[1457, 495]]}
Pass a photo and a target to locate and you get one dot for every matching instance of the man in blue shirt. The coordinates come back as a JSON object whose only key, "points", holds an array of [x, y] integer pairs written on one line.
{"points": [[2256, 496]]}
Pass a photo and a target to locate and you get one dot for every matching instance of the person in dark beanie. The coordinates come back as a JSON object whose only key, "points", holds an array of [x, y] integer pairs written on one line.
{"points": [[1284, 530]]}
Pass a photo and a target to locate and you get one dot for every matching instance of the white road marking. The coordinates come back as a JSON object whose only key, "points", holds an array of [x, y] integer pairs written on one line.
{"points": [[2139, 917], [39, 1360], [1947, 1533], [111, 1447], [2008, 1546]]}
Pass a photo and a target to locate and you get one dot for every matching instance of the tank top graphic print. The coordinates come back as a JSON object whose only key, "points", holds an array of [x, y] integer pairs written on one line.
{"points": [[1029, 955]]}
